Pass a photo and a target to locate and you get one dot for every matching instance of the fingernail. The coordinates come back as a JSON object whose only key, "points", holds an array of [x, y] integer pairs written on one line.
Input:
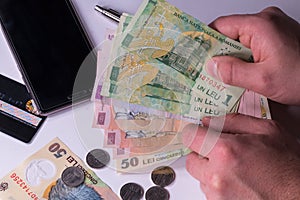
{"points": [[212, 69]]}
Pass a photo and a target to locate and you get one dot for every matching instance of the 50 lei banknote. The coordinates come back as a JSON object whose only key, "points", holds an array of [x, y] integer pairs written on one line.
{"points": [[39, 177]]}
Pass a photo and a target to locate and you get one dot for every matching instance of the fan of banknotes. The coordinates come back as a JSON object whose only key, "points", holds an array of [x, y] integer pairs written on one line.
{"points": [[152, 81]]}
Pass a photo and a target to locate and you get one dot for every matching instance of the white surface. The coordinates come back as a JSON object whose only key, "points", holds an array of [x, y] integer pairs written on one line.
{"points": [[62, 124]]}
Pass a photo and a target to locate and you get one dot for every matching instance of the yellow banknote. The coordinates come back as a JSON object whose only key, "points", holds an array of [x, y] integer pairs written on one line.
{"points": [[39, 177]]}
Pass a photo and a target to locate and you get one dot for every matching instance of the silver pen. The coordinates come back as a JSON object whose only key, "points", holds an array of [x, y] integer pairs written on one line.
{"points": [[110, 13]]}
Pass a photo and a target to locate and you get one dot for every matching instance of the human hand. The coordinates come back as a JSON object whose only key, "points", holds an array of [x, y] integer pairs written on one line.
{"points": [[253, 159], [274, 39]]}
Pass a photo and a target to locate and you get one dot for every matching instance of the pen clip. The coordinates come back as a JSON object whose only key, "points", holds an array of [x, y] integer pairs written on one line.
{"points": [[114, 12]]}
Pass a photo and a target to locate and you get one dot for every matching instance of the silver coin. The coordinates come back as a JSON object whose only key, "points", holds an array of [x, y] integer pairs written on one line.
{"points": [[73, 176], [97, 158]]}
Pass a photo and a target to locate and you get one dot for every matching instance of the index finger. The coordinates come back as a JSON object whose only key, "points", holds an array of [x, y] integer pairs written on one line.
{"points": [[193, 136], [243, 27], [236, 27], [200, 139]]}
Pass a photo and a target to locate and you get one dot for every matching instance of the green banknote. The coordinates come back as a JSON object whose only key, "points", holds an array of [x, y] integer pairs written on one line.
{"points": [[166, 48], [126, 69], [162, 32]]}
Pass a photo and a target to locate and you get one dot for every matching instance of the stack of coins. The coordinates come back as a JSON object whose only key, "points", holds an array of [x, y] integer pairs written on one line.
{"points": [[161, 177]]}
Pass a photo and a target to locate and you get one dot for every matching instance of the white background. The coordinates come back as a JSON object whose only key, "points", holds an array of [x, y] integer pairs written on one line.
{"points": [[62, 124]]}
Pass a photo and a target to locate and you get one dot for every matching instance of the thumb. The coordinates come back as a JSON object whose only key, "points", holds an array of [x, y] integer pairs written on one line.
{"points": [[234, 71]]}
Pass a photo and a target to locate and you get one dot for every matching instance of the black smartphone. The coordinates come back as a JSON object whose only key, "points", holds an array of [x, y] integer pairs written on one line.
{"points": [[50, 46]]}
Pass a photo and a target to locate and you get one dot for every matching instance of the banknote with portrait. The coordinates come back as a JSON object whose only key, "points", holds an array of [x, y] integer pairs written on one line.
{"points": [[40, 177]]}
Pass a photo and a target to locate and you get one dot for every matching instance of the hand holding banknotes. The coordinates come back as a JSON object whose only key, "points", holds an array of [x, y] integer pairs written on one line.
{"points": [[274, 39], [254, 158]]}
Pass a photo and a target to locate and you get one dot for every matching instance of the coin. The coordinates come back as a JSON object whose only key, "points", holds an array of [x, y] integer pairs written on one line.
{"points": [[97, 158], [163, 176], [131, 191], [157, 192], [73, 176]]}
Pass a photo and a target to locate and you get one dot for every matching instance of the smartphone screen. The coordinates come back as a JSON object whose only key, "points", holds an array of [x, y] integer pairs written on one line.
{"points": [[50, 46]]}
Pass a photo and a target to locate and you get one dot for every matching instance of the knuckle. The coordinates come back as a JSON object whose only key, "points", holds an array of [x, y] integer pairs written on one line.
{"points": [[220, 19], [230, 118], [217, 184], [226, 69], [269, 18], [258, 19], [264, 20], [227, 77], [225, 152], [271, 11], [272, 126]]}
